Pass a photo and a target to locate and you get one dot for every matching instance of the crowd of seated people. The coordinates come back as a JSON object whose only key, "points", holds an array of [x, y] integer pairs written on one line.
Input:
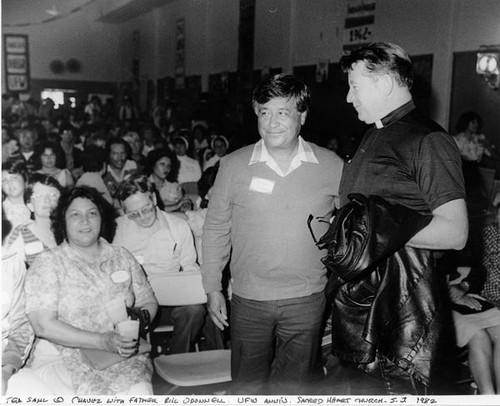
{"points": [[59, 142], [68, 178], [96, 165]]}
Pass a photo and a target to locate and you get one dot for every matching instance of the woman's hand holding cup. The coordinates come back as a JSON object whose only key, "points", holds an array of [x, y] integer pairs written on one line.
{"points": [[129, 336], [113, 341]]}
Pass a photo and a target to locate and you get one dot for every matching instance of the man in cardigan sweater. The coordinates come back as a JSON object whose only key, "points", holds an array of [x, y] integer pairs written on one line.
{"points": [[257, 215]]}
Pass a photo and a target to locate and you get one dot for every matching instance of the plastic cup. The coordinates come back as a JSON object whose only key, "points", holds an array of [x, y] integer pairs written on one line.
{"points": [[129, 328], [117, 310]]}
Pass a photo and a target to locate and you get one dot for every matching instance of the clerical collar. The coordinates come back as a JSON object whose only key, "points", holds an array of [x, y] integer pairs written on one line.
{"points": [[395, 115]]}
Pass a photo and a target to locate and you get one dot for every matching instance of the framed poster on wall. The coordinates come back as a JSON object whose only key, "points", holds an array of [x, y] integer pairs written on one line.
{"points": [[16, 57], [359, 23]]}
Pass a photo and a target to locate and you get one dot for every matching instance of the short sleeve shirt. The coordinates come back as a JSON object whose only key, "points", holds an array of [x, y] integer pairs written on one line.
{"points": [[410, 161], [60, 281]]}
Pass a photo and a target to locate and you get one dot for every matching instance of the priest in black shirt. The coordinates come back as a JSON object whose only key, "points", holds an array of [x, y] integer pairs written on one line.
{"points": [[405, 158]]}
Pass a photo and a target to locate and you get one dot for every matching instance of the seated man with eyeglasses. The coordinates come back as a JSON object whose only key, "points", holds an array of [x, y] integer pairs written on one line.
{"points": [[163, 243]]}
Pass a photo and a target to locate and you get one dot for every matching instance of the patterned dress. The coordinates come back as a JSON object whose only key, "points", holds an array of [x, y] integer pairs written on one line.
{"points": [[490, 260], [59, 280]]}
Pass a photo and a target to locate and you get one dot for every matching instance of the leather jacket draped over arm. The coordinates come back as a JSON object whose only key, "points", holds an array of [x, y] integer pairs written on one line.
{"points": [[385, 299]]}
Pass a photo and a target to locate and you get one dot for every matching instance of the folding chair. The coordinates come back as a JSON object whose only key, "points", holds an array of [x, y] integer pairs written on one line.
{"points": [[191, 368]]}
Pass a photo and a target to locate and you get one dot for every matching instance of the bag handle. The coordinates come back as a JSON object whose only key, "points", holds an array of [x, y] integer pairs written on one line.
{"points": [[320, 219]]}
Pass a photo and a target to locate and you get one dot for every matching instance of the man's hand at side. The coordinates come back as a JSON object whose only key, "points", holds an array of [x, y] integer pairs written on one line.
{"points": [[217, 309]]}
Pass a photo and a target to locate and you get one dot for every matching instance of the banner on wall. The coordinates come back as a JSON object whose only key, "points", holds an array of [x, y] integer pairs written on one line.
{"points": [[180, 49], [16, 57], [359, 23]]}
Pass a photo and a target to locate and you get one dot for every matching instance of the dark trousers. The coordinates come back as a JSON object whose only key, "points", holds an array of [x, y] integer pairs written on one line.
{"points": [[190, 324], [275, 343]]}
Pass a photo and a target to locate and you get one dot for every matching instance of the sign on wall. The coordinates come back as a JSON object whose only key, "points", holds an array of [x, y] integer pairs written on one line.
{"points": [[359, 22], [16, 57]]}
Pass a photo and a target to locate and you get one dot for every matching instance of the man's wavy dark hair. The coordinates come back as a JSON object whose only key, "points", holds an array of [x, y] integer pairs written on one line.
{"points": [[106, 210], [286, 86], [381, 58]]}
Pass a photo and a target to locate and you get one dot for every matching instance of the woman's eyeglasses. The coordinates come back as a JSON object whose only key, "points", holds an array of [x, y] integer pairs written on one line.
{"points": [[133, 215], [51, 197]]}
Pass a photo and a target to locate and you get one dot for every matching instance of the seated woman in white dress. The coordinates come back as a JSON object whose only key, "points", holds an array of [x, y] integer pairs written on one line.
{"points": [[67, 291], [190, 170]]}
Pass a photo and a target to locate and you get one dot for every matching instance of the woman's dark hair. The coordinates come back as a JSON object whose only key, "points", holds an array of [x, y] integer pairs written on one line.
{"points": [[17, 167], [106, 210], [43, 179], [67, 127], [465, 118], [135, 184], [287, 86], [56, 148], [381, 58], [155, 155], [93, 158], [198, 128]]}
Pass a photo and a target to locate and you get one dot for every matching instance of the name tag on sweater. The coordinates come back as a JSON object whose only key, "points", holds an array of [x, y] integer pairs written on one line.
{"points": [[261, 185], [120, 276]]}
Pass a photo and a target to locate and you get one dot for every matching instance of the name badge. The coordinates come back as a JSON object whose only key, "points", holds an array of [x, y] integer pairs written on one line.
{"points": [[120, 276], [261, 185], [33, 248]]}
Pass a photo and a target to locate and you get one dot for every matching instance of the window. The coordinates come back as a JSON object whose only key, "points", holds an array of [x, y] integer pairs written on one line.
{"points": [[59, 95]]}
